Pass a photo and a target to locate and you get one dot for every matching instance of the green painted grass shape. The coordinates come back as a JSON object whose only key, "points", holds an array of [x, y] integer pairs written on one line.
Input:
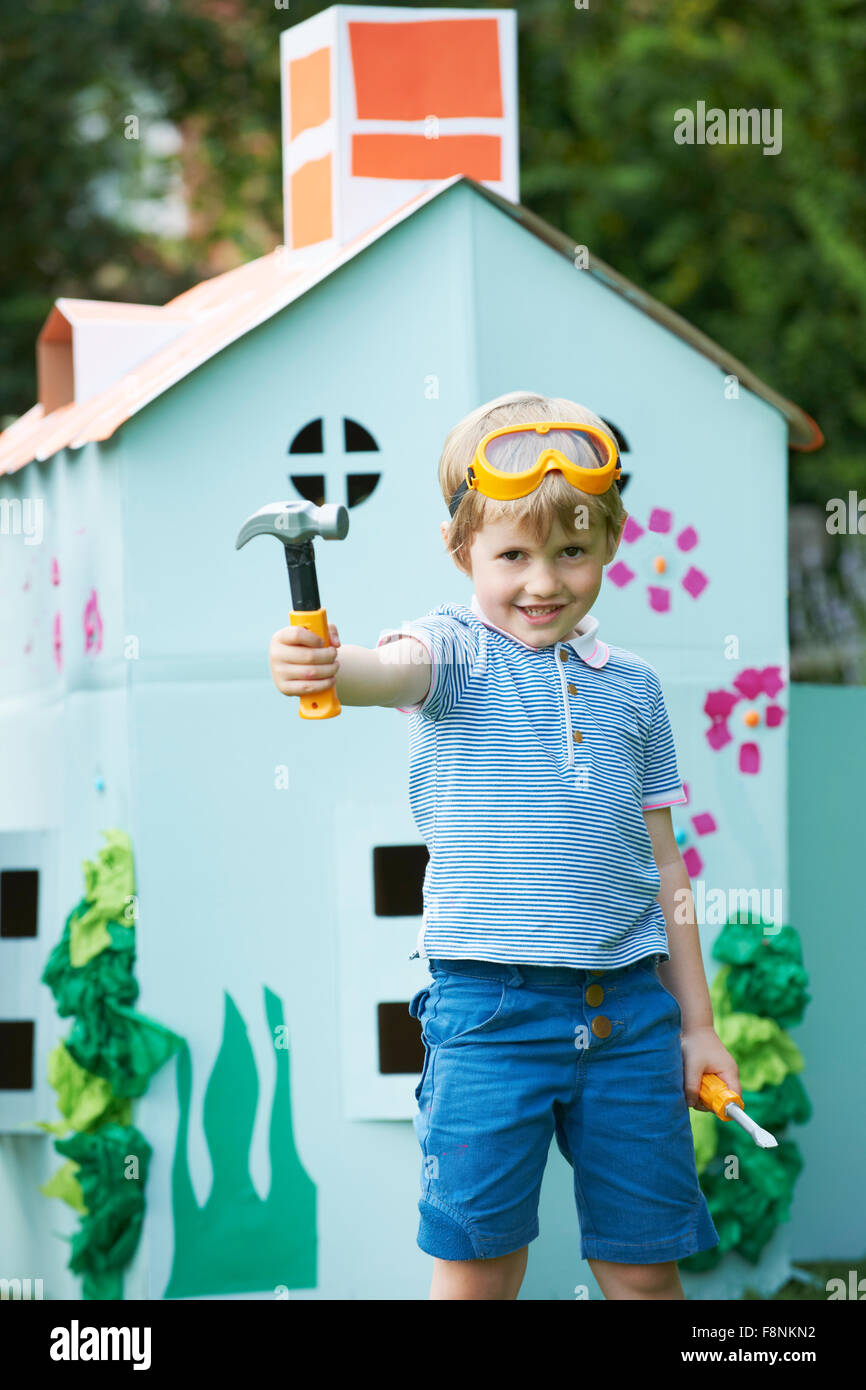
{"points": [[237, 1243]]}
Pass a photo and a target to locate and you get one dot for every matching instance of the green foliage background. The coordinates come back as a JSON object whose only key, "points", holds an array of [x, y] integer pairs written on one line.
{"points": [[764, 253]]}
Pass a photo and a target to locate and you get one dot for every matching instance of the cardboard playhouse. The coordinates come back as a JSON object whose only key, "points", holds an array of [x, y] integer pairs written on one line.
{"points": [[209, 904]]}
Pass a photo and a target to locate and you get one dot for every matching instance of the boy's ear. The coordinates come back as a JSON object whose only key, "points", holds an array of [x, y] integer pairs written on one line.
{"points": [[443, 527]]}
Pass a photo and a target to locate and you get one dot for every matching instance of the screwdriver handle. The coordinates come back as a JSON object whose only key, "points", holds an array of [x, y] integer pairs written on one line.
{"points": [[716, 1095]]}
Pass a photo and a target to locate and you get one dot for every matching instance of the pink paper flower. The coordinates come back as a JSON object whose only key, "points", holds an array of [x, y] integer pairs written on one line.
{"points": [[658, 555], [92, 624], [704, 823], [749, 686]]}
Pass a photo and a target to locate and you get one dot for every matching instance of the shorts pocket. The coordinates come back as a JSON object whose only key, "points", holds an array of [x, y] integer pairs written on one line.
{"points": [[423, 1077], [674, 1002], [417, 1002], [416, 1010], [462, 1007]]}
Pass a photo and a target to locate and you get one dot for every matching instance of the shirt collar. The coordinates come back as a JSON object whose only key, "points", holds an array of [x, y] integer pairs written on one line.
{"points": [[582, 639]]}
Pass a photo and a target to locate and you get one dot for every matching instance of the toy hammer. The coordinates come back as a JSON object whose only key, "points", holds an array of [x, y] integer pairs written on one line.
{"points": [[295, 524]]}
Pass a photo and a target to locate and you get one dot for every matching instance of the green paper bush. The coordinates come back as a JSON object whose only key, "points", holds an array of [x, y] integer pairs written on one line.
{"points": [[770, 980], [109, 1040], [113, 1163], [760, 990]]}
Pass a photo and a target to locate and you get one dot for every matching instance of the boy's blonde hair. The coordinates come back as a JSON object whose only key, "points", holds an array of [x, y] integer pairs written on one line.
{"points": [[553, 500]]}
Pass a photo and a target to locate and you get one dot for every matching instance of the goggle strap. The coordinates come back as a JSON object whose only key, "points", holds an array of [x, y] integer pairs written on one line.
{"points": [[457, 498]]}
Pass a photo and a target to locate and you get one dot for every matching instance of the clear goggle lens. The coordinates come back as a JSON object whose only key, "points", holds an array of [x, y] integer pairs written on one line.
{"points": [[519, 451]]}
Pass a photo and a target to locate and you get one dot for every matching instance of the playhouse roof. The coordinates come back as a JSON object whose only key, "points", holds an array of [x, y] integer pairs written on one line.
{"points": [[207, 318]]}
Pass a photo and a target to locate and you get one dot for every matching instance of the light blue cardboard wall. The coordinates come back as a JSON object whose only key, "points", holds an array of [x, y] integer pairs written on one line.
{"points": [[243, 884], [366, 344], [60, 731]]}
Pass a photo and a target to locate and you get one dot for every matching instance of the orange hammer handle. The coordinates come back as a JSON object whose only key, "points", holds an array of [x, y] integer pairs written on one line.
{"points": [[716, 1095], [322, 704]]}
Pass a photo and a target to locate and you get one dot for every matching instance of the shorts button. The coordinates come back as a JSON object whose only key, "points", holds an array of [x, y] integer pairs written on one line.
{"points": [[594, 995], [597, 972], [601, 1026]]}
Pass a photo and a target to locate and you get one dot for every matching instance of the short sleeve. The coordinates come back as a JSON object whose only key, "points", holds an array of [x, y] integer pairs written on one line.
{"points": [[455, 658], [661, 778]]}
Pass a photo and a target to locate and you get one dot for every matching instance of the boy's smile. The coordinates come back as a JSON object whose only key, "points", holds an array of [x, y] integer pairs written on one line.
{"points": [[513, 576]]}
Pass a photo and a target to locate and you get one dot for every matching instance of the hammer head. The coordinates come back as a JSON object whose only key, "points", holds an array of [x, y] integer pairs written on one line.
{"points": [[293, 522]]}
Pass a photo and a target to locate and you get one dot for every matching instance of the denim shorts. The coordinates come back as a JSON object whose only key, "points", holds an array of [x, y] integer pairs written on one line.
{"points": [[514, 1054]]}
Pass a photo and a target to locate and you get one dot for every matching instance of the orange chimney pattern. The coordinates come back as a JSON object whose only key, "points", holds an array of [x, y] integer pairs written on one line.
{"points": [[379, 102], [310, 89], [311, 202], [414, 157], [441, 67]]}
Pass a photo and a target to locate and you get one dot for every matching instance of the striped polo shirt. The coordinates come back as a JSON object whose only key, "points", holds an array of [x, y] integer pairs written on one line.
{"points": [[529, 771]]}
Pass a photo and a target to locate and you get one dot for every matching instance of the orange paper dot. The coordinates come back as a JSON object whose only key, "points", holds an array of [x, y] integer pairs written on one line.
{"points": [[751, 717], [660, 564]]}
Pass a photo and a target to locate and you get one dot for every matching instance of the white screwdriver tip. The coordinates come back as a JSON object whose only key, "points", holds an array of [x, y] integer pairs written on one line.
{"points": [[762, 1137]]}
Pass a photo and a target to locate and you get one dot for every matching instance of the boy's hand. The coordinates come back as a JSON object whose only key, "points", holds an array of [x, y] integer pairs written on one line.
{"points": [[300, 663], [703, 1051]]}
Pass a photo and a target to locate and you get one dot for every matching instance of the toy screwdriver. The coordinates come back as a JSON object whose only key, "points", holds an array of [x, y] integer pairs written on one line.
{"points": [[729, 1106]]}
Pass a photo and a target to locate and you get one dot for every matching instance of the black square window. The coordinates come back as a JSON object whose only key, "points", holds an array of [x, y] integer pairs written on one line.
{"points": [[16, 1055], [19, 902], [398, 880], [401, 1048]]}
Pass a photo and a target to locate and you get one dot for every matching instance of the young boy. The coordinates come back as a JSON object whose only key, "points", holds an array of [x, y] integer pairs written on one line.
{"points": [[542, 770]]}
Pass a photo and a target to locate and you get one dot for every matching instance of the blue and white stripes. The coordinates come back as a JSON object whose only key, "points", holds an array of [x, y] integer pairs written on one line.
{"points": [[529, 769]]}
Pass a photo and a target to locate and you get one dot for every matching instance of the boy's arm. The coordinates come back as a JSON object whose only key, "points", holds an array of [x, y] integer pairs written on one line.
{"points": [[683, 975], [397, 674]]}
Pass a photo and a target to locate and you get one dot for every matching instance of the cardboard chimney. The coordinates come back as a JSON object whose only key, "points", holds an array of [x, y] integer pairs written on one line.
{"points": [[378, 103]]}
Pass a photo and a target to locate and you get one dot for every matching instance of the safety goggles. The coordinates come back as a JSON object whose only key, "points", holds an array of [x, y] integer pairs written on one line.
{"points": [[511, 462]]}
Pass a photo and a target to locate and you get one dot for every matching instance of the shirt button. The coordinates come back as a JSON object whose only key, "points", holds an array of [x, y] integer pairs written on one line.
{"points": [[563, 654], [601, 1026], [594, 996], [577, 735], [572, 689]]}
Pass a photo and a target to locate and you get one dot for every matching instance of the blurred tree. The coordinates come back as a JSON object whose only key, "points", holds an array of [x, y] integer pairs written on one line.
{"points": [[98, 203], [764, 253]]}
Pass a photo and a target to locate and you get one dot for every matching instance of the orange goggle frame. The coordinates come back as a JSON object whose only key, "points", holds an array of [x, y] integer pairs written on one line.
{"points": [[483, 475]]}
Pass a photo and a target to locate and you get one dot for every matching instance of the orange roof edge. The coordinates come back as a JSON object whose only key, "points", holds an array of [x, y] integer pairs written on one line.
{"points": [[56, 328], [817, 437], [224, 307]]}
